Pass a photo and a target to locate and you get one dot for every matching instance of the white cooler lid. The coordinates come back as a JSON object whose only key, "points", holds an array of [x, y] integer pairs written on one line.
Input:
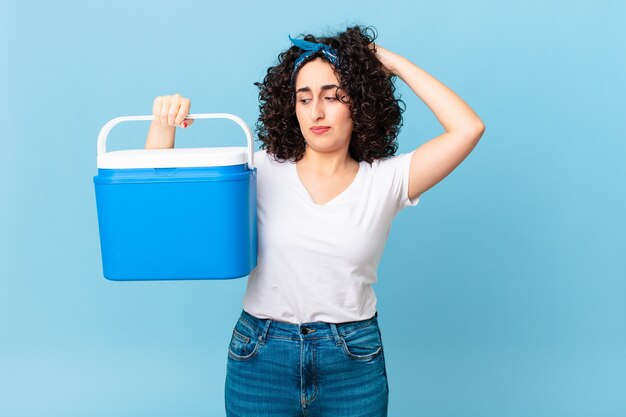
{"points": [[173, 158]]}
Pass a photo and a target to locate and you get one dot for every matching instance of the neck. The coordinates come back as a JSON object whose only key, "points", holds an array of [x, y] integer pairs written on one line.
{"points": [[327, 163]]}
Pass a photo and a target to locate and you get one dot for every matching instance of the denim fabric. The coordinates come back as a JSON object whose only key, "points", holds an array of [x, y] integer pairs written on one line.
{"points": [[312, 369]]}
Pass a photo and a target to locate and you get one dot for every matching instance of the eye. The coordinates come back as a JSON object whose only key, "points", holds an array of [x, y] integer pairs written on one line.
{"points": [[329, 98], [304, 100]]}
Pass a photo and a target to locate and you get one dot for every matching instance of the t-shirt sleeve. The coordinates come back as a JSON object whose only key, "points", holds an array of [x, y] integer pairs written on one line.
{"points": [[397, 169]]}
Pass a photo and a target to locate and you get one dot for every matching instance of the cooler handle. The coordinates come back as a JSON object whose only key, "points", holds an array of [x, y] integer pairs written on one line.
{"points": [[104, 132]]}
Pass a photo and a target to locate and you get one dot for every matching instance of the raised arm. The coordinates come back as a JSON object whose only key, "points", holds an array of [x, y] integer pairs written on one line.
{"points": [[435, 159]]}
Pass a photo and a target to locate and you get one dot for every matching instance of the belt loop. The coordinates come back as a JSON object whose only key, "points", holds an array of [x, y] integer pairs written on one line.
{"points": [[266, 328], [333, 327]]}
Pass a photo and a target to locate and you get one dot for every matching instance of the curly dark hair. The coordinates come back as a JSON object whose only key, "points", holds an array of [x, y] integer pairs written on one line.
{"points": [[376, 113]]}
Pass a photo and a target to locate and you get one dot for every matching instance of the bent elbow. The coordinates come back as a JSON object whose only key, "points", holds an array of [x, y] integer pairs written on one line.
{"points": [[478, 131]]}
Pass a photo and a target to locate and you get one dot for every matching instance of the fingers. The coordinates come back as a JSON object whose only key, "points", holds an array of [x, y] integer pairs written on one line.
{"points": [[165, 106], [156, 109], [171, 110], [183, 111]]}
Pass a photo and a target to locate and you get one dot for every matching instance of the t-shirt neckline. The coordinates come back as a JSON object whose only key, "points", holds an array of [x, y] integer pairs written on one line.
{"points": [[335, 198]]}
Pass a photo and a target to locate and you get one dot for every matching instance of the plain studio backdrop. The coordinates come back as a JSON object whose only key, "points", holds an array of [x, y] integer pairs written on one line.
{"points": [[502, 294]]}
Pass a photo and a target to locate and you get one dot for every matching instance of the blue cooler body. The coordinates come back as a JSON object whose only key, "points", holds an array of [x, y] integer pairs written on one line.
{"points": [[173, 214]]}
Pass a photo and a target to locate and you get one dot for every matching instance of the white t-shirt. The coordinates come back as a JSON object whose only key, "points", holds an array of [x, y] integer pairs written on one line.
{"points": [[318, 262]]}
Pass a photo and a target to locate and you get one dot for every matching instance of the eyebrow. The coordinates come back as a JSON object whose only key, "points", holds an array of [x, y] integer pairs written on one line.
{"points": [[324, 87]]}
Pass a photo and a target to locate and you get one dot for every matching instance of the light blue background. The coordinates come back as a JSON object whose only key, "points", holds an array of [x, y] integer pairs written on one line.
{"points": [[503, 293]]}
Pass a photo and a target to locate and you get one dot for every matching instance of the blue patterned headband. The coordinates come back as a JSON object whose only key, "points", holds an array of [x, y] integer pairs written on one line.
{"points": [[312, 48]]}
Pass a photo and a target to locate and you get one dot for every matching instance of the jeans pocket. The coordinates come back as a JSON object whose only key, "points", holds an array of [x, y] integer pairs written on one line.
{"points": [[244, 343], [363, 344]]}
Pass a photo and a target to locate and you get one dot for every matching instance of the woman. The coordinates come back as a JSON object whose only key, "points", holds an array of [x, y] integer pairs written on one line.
{"points": [[329, 185]]}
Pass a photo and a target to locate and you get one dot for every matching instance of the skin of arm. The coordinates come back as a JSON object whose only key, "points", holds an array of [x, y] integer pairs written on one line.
{"points": [[160, 136], [435, 159]]}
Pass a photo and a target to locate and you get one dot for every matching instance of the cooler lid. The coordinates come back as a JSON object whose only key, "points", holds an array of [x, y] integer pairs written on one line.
{"points": [[173, 158]]}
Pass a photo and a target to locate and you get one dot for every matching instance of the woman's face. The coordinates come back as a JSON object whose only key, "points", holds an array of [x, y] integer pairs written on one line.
{"points": [[325, 122]]}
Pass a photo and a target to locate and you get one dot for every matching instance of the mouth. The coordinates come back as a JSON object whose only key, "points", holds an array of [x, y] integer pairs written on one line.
{"points": [[320, 130]]}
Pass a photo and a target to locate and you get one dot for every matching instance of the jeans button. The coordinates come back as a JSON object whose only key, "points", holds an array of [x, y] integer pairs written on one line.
{"points": [[306, 330]]}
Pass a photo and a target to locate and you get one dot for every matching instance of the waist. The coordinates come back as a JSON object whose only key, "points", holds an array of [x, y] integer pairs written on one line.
{"points": [[311, 330]]}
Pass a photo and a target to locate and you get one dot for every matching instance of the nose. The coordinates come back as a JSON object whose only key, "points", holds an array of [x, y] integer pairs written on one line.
{"points": [[317, 110]]}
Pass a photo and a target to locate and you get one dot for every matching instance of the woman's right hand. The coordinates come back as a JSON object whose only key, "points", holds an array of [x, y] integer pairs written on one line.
{"points": [[168, 112], [171, 111]]}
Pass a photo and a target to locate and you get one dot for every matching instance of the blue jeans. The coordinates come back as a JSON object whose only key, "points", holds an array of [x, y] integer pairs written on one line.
{"points": [[314, 369]]}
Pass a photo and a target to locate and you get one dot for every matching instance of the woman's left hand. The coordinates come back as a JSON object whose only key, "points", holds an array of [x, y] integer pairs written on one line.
{"points": [[386, 57]]}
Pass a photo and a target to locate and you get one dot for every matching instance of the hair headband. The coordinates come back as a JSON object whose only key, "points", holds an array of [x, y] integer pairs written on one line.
{"points": [[312, 48]]}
